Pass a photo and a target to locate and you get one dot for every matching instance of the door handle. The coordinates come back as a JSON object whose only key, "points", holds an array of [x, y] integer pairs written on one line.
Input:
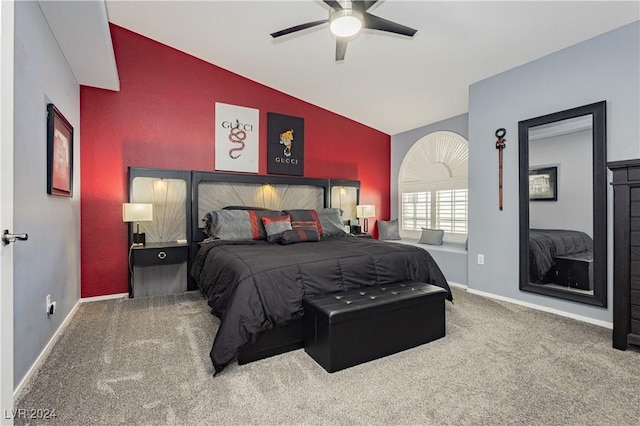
{"points": [[10, 238]]}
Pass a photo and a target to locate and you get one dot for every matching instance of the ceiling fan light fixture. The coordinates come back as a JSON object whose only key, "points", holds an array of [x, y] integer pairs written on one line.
{"points": [[345, 22]]}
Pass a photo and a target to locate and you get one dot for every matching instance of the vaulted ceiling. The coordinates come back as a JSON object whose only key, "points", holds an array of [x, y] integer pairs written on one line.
{"points": [[388, 82]]}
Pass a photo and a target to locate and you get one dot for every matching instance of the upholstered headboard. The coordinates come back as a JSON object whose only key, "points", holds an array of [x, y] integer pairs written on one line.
{"points": [[213, 191]]}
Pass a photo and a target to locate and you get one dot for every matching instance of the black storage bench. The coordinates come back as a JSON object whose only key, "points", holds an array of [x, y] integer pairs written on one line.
{"points": [[348, 328], [575, 270]]}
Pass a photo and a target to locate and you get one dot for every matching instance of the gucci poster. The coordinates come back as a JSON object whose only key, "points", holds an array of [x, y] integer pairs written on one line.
{"points": [[285, 144], [236, 144]]}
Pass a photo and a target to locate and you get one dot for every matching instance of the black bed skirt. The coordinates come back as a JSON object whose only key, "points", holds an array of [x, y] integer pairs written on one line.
{"points": [[273, 342]]}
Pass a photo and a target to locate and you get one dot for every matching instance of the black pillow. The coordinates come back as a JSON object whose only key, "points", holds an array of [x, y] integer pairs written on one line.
{"points": [[299, 235]]}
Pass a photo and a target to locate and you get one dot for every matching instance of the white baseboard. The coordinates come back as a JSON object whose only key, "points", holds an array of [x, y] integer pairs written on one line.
{"points": [[458, 285], [600, 323], [107, 297], [55, 336], [44, 352]]}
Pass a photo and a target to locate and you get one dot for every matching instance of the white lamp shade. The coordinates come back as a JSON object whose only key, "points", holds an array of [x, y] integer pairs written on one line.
{"points": [[365, 210], [137, 212]]}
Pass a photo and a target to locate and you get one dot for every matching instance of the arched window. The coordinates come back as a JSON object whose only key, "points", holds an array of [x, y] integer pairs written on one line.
{"points": [[433, 187]]}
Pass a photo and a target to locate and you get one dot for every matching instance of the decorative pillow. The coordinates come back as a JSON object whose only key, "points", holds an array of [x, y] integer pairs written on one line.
{"points": [[305, 219], [388, 230], [299, 235], [275, 226], [331, 222], [237, 225], [431, 236]]}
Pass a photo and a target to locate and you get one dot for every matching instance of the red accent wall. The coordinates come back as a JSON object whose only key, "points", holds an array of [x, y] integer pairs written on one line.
{"points": [[163, 117]]}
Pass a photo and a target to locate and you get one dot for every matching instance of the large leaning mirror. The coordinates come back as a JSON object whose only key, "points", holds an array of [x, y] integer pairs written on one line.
{"points": [[563, 191]]}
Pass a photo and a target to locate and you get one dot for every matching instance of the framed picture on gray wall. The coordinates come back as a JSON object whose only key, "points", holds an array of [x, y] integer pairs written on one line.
{"points": [[543, 184], [59, 153]]}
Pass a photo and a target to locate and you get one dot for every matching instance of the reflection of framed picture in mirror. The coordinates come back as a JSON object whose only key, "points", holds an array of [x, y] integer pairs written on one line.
{"points": [[59, 153], [543, 184]]}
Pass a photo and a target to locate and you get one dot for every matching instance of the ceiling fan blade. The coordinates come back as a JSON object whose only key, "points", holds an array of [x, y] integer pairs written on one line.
{"points": [[376, 23], [333, 4], [341, 48], [298, 28]]}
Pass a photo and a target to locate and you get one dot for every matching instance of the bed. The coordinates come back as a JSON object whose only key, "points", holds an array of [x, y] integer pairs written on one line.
{"points": [[546, 244], [256, 287]]}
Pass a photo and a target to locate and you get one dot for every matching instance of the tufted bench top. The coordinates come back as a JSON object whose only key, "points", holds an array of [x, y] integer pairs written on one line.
{"points": [[351, 304]]}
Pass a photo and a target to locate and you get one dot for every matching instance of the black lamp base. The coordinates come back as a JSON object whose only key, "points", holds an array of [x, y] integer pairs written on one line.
{"points": [[139, 239]]}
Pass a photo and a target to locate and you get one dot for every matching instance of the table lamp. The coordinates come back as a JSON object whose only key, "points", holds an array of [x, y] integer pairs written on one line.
{"points": [[365, 211], [137, 212]]}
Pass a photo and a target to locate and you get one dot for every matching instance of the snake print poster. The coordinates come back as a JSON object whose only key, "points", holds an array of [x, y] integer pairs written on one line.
{"points": [[236, 145]]}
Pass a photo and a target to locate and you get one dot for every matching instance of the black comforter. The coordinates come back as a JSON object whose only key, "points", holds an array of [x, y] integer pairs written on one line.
{"points": [[254, 286], [546, 244]]}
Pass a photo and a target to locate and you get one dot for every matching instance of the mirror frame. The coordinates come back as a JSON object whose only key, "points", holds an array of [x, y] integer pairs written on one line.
{"points": [[599, 145]]}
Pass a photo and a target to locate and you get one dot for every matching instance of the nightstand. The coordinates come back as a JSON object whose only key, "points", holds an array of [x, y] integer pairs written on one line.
{"points": [[158, 268]]}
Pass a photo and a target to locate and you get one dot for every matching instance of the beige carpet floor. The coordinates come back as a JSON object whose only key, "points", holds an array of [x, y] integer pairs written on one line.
{"points": [[146, 361]]}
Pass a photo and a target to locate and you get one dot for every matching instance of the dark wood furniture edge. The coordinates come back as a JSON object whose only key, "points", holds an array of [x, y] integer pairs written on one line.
{"points": [[621, 248]]}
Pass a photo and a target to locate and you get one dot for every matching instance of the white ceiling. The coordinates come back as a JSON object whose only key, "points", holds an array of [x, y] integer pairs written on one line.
{"points": [[388, 82], [81, 29]]}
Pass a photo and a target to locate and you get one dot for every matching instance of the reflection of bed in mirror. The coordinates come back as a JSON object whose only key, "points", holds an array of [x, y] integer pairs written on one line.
{"points": [[561, 257]]}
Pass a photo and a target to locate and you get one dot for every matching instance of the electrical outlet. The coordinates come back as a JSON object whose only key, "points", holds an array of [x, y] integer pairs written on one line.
{"points": [[481, 259], [51, 306]]}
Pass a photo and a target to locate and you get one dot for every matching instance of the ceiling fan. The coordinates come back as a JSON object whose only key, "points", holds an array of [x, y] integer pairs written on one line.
{"points": [[346, 21]]}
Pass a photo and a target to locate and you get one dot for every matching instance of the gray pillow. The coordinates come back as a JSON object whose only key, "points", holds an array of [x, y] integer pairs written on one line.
{"points": [[237, 225], [275, 226], [388, 230], [331, 221], [431, 236]]}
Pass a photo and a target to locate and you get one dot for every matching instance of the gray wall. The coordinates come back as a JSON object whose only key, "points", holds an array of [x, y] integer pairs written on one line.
{"points": [[572, 155], [49, 262], [604, 68]]}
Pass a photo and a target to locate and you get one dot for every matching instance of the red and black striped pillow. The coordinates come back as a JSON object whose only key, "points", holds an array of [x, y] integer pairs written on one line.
{"points": [[305, 219]]}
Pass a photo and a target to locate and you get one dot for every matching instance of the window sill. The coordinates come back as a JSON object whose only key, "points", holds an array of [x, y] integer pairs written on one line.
{"points": [[445, 247]]}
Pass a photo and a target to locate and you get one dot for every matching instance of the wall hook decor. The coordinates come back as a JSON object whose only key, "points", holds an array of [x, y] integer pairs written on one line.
{"points": [[500, 145]]}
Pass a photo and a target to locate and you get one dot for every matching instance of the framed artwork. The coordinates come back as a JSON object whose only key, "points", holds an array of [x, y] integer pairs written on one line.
{"points": [[285, 144], [236, 139], [59, 153], [543, 184]]}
